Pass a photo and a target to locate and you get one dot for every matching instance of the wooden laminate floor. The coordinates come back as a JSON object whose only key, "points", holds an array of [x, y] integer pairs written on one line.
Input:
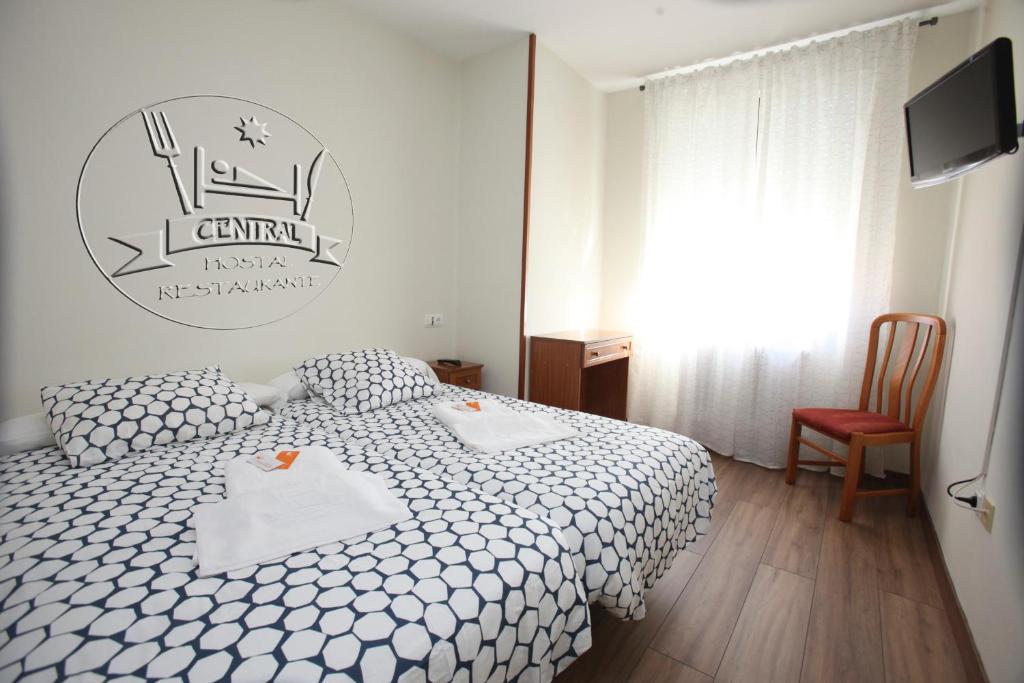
{"points": [[781, 590]]}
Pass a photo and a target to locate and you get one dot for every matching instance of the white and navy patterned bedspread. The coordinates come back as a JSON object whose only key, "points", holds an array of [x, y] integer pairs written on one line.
{"points": [[97, 579], [628, 497]]}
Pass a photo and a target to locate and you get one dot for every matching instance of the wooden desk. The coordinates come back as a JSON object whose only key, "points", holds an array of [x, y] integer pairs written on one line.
{"points": [[586, 370]]}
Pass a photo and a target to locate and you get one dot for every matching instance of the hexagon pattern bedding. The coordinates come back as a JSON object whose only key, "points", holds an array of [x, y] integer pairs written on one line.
{"points": [[627, 497], [98, 581]]}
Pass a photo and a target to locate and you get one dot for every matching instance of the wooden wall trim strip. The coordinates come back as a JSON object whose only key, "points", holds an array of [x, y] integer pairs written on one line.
{"points": [[531, 71], [973, 667]]}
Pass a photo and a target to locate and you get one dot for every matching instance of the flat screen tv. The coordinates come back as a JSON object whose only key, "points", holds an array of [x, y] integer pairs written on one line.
{"points": [[964, 119]]}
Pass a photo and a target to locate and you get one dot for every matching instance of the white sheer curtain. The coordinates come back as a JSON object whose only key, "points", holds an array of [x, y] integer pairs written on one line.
{"points": [[771, 188]]}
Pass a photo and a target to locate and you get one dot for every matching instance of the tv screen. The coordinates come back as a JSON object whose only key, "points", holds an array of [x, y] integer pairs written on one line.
{"points": [[964, 119]]}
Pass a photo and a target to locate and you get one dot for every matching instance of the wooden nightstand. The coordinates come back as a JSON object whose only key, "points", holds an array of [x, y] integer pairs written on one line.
{"points": [[468, 375]]}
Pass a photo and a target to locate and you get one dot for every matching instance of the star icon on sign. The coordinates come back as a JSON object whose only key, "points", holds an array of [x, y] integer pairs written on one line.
{"points": [[252, 131]]}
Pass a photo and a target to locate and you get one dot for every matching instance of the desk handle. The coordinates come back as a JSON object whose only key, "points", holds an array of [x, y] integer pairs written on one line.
{"points": [[595, 353]]}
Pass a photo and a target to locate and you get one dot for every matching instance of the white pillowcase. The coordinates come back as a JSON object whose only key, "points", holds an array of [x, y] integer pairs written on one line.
{"points": [[26, 434], [424, 369], [290, 386], [265, 395]]}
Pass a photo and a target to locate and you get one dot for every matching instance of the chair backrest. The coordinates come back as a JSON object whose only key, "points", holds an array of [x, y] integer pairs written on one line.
{"points": [[893, 374]]}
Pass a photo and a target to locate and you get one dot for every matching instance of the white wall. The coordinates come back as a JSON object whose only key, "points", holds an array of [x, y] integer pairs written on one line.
{"points": [[623, 208], [490, 226], [925, 218], [987, 569], [387, 108], [563, 280]]}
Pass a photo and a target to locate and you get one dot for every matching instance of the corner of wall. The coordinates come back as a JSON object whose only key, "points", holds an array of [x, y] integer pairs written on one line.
{"points": [[564, 279], [490, 216]]}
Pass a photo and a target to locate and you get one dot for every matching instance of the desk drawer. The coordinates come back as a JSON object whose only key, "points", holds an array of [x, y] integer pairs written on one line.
{"points": [[602, 352]]}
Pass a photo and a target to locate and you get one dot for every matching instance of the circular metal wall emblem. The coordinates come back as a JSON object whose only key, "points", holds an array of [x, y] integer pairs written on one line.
{"points": [[215, 212]]}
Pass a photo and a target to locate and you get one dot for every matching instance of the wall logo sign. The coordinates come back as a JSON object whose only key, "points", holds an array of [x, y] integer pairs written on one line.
{"points": [[215, 212]]}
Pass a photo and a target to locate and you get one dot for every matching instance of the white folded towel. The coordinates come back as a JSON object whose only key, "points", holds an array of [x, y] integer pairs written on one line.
{"points": [[489, 427], [269, 515]]}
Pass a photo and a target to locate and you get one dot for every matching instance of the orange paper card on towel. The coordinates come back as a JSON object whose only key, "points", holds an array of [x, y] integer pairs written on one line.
{"points": [[467, 407], [269, 463], [287, 458]]}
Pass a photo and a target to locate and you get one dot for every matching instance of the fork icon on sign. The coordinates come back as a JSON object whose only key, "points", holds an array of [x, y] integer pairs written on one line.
{"points": [[161, 138]]}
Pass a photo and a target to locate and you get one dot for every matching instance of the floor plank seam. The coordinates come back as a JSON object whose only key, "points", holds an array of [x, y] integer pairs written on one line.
{"points": [[807, 632], [768, 544], [814, 589], [668, 612], [654, 637], [941, 608], [881, 634], [791, 573], [740, 613], [650, 643], [746, 596], [679, 661]]}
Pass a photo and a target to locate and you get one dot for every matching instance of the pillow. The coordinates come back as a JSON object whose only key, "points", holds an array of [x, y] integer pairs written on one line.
{"points": [[360, 381], [290, 385], [105, 419], [25, 434], [264, 395], [424, 369], [292, 388]]}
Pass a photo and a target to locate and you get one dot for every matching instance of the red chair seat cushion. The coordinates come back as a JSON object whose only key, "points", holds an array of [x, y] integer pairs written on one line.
{"points": [[841, 424]]}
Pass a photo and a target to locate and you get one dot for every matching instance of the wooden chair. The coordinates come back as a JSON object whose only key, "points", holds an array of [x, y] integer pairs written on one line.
{"points": [[862, 428]]}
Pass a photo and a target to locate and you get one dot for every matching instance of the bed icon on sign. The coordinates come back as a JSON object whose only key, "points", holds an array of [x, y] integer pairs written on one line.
{"points": [[244, 202], [218, 229]]}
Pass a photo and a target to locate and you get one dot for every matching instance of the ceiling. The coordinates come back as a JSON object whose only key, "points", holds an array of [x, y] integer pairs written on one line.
{"points": [[614, 43]]}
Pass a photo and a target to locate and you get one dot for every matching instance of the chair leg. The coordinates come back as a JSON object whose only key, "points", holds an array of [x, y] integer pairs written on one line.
{"points": [[794, 452], [915, 476], [856, 457]]}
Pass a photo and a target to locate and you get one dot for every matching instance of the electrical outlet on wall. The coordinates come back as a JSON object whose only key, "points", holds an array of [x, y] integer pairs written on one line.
{"points": [[986, 512], [433, 320]]}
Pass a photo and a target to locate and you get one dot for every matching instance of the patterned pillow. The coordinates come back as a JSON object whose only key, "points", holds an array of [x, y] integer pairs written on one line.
{"points": [[360, 381], [104, 419]]}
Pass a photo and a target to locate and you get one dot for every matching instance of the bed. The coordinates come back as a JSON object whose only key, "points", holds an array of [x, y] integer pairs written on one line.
{"points": [[97, 578], [627, 497]]}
